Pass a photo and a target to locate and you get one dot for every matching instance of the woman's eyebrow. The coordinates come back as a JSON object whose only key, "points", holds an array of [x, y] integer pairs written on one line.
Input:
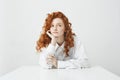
{"points": [[59, 23], [56, 23]]}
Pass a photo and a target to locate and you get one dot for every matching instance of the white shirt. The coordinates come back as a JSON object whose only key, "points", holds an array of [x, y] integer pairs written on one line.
{"points": [[77, 57]]}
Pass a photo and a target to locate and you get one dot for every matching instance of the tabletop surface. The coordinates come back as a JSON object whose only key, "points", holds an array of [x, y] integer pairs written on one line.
{"points": [[37, 73]]}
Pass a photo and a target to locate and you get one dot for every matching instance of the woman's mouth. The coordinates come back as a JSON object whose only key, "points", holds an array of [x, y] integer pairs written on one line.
{"points": [[55, 32]]}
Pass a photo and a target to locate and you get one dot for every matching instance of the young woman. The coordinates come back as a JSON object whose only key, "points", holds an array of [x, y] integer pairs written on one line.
{"points": [[59, 47]]}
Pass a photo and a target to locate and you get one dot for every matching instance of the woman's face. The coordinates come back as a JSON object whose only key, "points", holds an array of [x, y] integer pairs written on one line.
{"points": [[57, 27]]}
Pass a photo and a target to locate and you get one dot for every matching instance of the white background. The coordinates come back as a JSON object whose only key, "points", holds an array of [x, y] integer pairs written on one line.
{"points": [[97, 22]]}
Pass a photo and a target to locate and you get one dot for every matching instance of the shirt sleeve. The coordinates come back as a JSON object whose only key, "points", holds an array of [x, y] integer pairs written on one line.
{"points": [[43, 55], [79, 59]]}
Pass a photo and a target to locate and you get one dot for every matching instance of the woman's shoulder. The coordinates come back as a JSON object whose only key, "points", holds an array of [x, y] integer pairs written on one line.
{"points": [[76, 38]]}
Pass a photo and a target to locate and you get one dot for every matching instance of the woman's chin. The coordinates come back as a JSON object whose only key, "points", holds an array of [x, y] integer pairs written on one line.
{"points": [[56, 36]]}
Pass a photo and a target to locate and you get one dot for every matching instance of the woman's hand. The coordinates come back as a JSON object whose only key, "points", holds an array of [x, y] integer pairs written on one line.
{"points": [[51, 60], [53, 41]]}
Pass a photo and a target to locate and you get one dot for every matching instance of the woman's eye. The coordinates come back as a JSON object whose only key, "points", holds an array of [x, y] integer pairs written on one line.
{"points": [[59, 25], [52, 25]]}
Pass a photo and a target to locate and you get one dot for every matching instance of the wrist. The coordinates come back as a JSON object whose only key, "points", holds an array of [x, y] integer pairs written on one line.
{"points": [[53, 42]]}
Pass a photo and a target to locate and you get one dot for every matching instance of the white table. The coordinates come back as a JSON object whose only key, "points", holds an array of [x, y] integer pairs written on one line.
{"points": [[36, 73]]}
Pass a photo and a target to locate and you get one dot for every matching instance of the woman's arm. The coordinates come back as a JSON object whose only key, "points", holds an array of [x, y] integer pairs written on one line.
{"points": [[79, 59], [44, 54]]}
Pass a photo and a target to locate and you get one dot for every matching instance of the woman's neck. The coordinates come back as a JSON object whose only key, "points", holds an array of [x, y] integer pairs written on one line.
{"points": [[60, 40]]}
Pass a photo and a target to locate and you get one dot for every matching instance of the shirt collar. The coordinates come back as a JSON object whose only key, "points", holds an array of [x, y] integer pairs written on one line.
{"points": [[62, 46]]}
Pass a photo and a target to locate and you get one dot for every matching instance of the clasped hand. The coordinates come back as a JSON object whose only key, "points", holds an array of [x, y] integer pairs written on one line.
{"points": [[51, 60]]}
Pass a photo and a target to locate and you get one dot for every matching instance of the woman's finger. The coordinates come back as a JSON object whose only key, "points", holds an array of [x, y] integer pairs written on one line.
{"points": [[49, 34], [52, 59], [50, 56], [49, 61]]}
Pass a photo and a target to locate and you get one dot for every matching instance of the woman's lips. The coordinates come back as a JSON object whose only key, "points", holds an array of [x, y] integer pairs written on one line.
{"points": [[55, 32]]}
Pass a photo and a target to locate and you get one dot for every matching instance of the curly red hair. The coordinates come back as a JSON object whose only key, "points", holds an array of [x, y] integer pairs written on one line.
{"points": [[44, 39]]}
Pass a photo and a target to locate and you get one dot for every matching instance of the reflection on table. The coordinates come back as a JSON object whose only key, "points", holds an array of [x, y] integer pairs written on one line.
{"points": [[37, 73]]}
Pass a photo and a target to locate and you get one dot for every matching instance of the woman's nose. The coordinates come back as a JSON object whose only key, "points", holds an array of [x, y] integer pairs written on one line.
{"points": [[55, 27]]}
